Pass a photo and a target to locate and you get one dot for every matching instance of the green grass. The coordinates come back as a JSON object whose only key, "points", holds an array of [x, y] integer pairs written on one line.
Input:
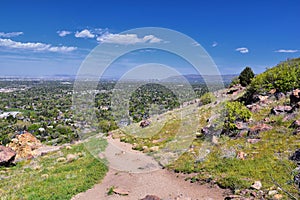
{"points": [[265, 160], [46, 178]]}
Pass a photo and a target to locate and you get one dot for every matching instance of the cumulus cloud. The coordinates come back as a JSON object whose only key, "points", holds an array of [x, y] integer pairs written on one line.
{"points": [[11, 34], [214, 44], [63, 33], [242, 50], [84, 34], [287, 51], [34, 46], [127, 39]]}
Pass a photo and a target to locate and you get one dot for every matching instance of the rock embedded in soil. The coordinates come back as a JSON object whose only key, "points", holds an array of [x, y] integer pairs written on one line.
{"points": [[256, 185], [258, 128], [281, 109], [121, 191], [151, 197], [7, 156], [296, 156], [295, 97]]}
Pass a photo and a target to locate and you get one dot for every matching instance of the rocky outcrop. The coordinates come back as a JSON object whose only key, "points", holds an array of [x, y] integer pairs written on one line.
{"points": [[235, 89], [7, 156], [25, 145], [295, 97]]}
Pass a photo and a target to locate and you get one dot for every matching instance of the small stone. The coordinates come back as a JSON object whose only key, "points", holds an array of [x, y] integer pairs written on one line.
{"points": [[121, 191], [198, 134], [241, 155], [71, 157], [253, 141], [267, 119], [215, 140], [233, 197], [272, 192], [61, 159], [277, 196], [68, 147], [151, 197], [44, 176], [154, 149], [79, 154], [257, 185], [295, 124], [145, 149]]}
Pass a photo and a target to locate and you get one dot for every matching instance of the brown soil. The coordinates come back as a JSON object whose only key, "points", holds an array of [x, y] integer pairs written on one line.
{"points": [[139, 175]]}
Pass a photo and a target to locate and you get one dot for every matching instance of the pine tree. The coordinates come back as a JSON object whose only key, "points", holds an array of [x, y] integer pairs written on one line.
{"points": [[246, 76]]}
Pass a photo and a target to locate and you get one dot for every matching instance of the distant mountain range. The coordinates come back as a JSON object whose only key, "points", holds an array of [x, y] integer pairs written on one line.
{"points": [[191, 78], [195, 78]]}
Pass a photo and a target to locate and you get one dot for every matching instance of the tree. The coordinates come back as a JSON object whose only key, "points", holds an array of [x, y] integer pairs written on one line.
{"points": [[246, 76]]}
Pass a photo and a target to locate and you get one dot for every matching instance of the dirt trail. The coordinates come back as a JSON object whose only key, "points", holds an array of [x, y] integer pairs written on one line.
{"points": [[140, 175]]}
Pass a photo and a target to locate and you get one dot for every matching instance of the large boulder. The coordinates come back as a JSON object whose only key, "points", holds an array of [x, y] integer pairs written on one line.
{"points": [[7, 156], [25, 145], [295, 97]]}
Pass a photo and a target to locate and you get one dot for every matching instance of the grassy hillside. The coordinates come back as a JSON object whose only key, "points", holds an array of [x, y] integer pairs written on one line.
{"points": [[57, 175], [236, 160]]}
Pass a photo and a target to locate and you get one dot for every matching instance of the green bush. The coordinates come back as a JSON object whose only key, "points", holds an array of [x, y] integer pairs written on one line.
{"points": [[207, 98], [246, 76], [235, 111], [283, 77]]}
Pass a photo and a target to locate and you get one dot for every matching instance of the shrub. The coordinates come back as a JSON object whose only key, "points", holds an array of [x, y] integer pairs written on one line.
{"points": [[246, 76], [235, 111], [283, 77], [207, 98]]}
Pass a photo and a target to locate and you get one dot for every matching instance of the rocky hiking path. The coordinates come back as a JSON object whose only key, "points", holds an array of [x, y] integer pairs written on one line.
{"points": [[133, 175]]}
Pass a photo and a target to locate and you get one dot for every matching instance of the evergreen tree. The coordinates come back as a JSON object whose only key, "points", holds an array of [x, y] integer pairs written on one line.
{"points": [[246, 76]]}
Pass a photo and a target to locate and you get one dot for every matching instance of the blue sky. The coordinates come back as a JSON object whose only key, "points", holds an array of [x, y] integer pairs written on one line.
{"points": [[40, 38]]}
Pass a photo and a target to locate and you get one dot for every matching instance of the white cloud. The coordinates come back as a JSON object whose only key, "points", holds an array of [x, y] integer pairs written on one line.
{"points": [[11, 34], [287, 51], [196, 44], [84, 34], [34, 46], [214, 44], [63, 33], [127, 39], [242, 50], [62, 49]]}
